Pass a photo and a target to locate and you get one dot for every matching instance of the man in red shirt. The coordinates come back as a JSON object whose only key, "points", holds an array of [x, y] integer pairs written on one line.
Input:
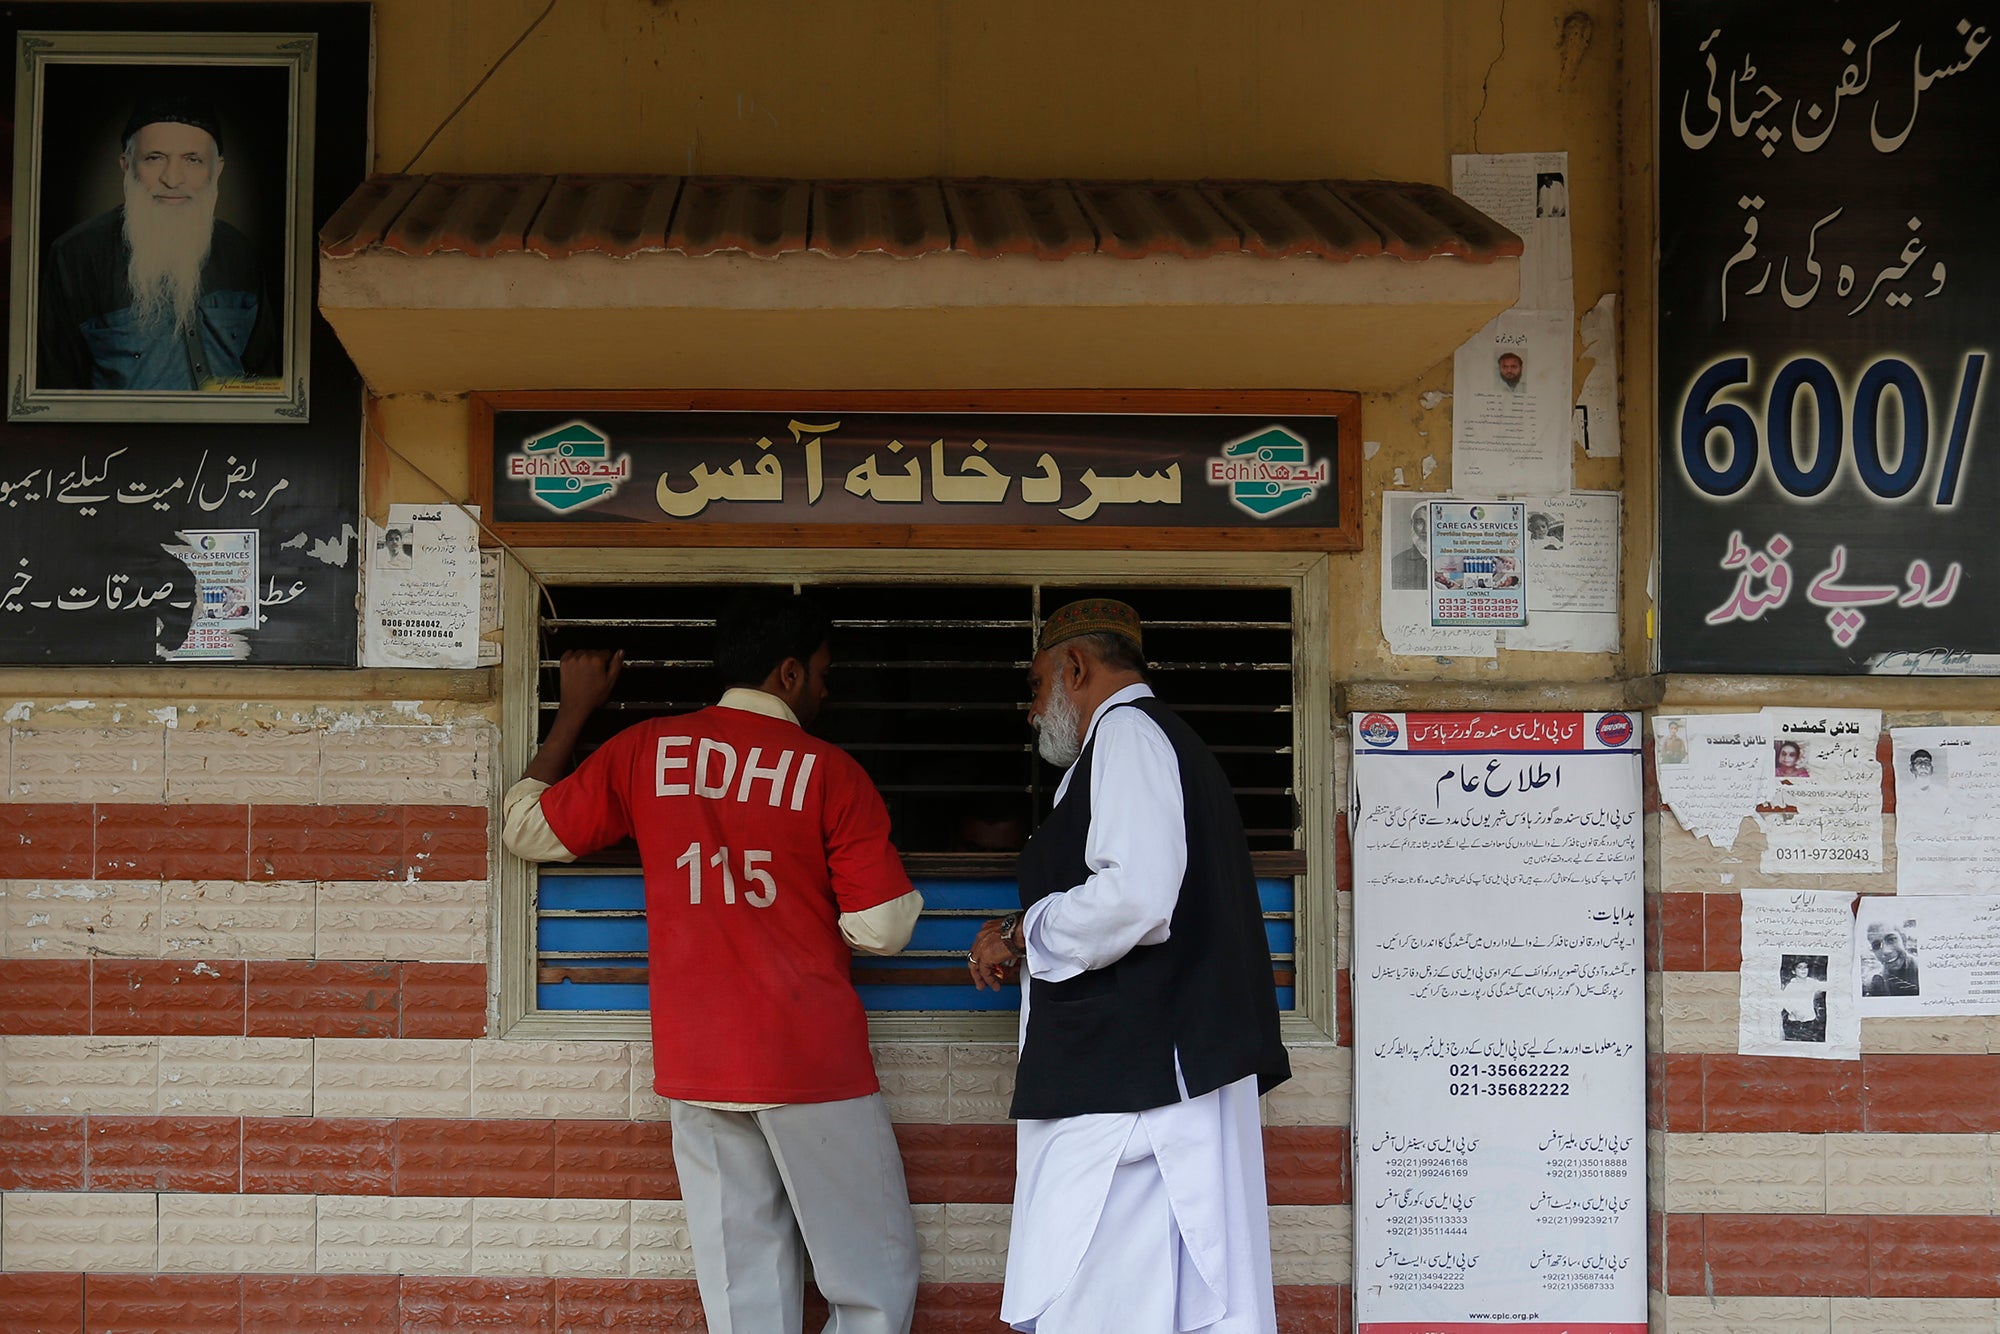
{"points": [[767, 860]]}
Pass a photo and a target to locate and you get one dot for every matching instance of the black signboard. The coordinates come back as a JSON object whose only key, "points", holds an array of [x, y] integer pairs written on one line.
{"points": [[136, 525], [578, 469], [1827, 194]]}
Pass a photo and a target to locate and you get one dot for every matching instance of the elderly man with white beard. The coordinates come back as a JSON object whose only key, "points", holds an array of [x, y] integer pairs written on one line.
{"points": [[1149, 1015], [158, 294]]}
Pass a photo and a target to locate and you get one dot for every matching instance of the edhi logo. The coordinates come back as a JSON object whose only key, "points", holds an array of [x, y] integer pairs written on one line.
{"points": [[570, 467], [1267, 472]]}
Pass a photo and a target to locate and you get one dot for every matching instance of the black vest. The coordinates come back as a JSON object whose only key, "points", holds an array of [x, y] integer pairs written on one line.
{"points": [[1104, 1041]]}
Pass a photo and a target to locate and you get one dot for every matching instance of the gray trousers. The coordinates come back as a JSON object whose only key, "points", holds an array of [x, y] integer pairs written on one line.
{"points": [[766, 1190]]}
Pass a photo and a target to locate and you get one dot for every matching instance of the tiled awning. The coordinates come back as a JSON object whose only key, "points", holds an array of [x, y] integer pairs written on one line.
{"points": [[442, 283]]}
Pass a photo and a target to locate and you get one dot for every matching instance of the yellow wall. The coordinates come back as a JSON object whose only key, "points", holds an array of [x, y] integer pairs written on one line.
{"points": [[1110, 88]]}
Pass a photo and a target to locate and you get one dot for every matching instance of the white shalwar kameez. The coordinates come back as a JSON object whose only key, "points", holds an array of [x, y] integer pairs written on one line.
{"points": [[1148, 1222]]}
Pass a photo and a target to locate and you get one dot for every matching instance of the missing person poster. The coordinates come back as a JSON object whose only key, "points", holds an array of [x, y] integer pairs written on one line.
{"points": [[1795, 990], [1499, 1023], [1947, 786], [1927, 955]]}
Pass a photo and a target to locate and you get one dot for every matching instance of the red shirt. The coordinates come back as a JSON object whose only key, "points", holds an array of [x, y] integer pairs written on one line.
{"points": [[755, 837]]}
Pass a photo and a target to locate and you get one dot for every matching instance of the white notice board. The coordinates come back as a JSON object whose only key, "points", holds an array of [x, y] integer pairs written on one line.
{"points": [[1499, 1023]]}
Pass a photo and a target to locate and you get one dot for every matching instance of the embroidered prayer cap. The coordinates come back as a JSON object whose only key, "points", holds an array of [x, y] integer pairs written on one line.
{"points": [[177, 108], [1092, 616]]}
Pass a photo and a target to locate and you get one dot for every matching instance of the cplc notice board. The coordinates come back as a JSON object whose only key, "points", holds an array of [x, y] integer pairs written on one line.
{"points": [[1499, 1023]]}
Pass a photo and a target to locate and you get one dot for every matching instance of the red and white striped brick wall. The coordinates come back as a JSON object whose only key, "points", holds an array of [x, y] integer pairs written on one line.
{"points": [[248, 1080], [1790, 1195]]}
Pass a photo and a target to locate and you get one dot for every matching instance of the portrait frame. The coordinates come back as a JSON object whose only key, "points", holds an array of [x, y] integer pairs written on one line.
{"points": [[263, 86]]}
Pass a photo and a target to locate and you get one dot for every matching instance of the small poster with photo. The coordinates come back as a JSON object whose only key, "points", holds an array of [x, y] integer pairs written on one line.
{"points": [[162, 226]]}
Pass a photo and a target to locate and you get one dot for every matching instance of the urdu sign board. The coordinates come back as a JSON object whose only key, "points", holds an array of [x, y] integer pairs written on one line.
{"points": [[1825, 322], [578, 469]]}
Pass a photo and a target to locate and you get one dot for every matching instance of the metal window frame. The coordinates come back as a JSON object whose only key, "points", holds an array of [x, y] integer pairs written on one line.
{"points": [[1307, 574]]}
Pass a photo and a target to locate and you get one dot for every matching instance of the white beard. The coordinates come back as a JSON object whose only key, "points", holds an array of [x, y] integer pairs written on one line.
{"points": [[1058, 732], [169, 245]]}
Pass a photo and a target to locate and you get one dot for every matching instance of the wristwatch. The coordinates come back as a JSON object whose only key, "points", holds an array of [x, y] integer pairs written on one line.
{"points": [[1008, 926]]}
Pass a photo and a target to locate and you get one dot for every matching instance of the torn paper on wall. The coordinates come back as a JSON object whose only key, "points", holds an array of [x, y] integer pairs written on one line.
{"points": [[1406, 583], [421, 589], [1510, 412], [1714, 769], [1596, 417], [1934, 954], [1947, 791], [489, 608], [1796, 987], [1528, 194], [1572, 560], [1824, 813]]}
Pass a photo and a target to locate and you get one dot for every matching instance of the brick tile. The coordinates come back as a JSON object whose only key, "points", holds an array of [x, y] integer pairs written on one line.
{"points": [[1307, 1165], [444, 1000], [162, 1303], [78, 1232], [1678, 1080], [433, 920], [237, 1234], [1952, 1094], [1684, 1261], [41, 1153], [1773, 1093], [1722, 917], [237, 919], [214, 764], [338, 1304], [291, 1155], [167, 997], [392, 1077], [445, 842], [615, 1160], [89, 764], [1656, 1249], [1794, 1255], [46, 841], [326, 842], [296, 999], [524, 1238], [1343, 1006], [1343, 856], [236, 1076], [46, 996], [631, 1306], [958, 1164], [1318, 1308], [483, 1158], [41, 1303], [1682, 927], [66, 1076], [172, 842], [1935, 1257], [490, 1305], [188, 1153], [89, 919]]}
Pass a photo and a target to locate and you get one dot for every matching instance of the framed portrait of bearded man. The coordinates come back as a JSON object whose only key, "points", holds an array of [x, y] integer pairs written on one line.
{"points": [[162, 263]]}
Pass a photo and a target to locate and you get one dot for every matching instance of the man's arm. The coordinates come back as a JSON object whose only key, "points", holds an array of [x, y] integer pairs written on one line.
{"points": [[587, 674], [587, 677], [1136, 851]]}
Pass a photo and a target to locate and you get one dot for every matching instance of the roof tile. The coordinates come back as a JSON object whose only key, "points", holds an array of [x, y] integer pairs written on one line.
{"points": [[478, 215], [765, 218], [901, 218], [703, 215], [1282, 218], [364, 219], [1139, 218], [1039, 218], [609, 215]]}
